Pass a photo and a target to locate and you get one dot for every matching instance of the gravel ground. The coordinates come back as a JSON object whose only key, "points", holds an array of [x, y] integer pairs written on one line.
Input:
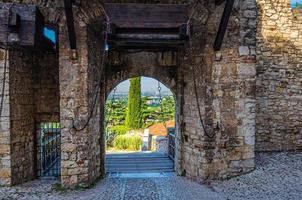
{"points": [[278, 176]]}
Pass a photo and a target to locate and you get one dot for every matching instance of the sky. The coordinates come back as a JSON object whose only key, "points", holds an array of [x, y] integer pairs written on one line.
{"points": [[148, 85], [50, 34], [294, 2]]}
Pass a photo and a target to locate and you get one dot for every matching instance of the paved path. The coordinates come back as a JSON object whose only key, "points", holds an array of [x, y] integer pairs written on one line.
{"points": [[168, 188], [278, 177], [138, 162]]}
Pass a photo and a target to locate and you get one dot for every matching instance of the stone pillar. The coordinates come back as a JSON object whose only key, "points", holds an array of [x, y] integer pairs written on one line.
{"points": [[80, 149], [145, 146]]}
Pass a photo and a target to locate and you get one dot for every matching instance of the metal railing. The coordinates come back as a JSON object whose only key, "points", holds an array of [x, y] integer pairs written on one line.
{"points": [[48, 150], [171, 143]]}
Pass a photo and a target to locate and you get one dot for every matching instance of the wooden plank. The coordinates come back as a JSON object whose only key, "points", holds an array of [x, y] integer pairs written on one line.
{"points": [[70, 24], [147, 15], [223, 24]]}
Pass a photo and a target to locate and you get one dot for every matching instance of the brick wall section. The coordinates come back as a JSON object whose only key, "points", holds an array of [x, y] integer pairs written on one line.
{"points": [[279, 96], [5, 153]]}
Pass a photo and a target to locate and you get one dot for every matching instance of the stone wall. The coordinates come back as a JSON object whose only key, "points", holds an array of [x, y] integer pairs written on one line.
{"points": [[279, 96], [21, 94], [46, 87], [224, 82], [31, 96], [5, 153], [225, 86]]}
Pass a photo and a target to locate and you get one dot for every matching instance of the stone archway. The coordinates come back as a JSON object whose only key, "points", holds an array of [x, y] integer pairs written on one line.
{"points": [[222, 85], [160, 66]]}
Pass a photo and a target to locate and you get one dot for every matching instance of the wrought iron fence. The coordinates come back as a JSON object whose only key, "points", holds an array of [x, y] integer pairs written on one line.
{"points": [[171, 143], [48, 150]]}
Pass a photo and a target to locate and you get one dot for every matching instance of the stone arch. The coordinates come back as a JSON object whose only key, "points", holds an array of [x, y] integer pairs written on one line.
{"points": [[160, 66], [143, 67]]}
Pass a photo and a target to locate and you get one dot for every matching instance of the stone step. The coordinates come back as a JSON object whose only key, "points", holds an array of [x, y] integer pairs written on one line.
{"points": [[139, 170], [139, 162], [144, 160]]}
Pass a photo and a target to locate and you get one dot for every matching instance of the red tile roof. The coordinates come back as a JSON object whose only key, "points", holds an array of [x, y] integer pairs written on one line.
{"points": [[160, 129]]}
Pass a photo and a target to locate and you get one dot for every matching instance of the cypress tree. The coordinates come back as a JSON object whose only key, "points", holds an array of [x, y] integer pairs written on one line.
{"points": [[134, 114]]}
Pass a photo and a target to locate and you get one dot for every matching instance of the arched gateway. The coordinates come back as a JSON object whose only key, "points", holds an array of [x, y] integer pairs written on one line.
{"points": [[215, 87]]}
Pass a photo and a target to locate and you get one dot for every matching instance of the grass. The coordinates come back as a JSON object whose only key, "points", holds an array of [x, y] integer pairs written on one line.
{"points": [[127, 142]]}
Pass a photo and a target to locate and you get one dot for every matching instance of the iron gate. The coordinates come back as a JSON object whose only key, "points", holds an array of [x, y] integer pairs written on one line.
{"points": [[171, 143], [49, 150]]}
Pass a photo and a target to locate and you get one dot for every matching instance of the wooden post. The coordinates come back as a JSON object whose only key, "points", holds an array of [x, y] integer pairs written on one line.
{"points": [[223, 24]]}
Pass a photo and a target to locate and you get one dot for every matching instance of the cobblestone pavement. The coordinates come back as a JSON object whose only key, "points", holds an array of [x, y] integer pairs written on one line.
{"points": [[278, 176]]}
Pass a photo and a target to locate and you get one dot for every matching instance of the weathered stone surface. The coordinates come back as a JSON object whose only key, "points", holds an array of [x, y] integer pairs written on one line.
{"points": [[253, 85], [279, 110]]}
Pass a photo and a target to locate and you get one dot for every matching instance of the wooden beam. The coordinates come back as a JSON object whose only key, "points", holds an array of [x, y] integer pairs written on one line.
{"points": [[70, 24], [223, 24], [137, 15], [23, 21], [219, 2]]}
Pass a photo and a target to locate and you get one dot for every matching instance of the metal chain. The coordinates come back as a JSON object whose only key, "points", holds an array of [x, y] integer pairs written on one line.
{"points": [[161, 104], [109, 113], [213, 133], [100, 76]]}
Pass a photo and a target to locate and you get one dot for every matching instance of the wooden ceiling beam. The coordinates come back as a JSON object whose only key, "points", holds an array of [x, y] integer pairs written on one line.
{"points": [[223, 24]]}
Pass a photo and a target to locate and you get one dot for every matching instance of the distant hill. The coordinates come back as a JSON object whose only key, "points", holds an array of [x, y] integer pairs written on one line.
{"points": [[124, 95]]}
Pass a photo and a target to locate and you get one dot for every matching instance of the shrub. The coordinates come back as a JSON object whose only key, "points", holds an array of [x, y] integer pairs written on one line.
{"points": [[119, 130], [114, 131], [128, 142]]}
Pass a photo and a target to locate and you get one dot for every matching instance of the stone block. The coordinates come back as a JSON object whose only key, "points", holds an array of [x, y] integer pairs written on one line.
{"points": [[246, 71], [5, 173], [244, 51]]}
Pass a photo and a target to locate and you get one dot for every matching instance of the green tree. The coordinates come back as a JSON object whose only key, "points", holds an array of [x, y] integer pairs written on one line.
{"points": [[134, 114], [154, 114], [168, 106], [115, 112]]}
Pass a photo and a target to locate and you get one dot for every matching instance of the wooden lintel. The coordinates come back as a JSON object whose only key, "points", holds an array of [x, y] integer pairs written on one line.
{"points": [[70, 24], [223, 24]]}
